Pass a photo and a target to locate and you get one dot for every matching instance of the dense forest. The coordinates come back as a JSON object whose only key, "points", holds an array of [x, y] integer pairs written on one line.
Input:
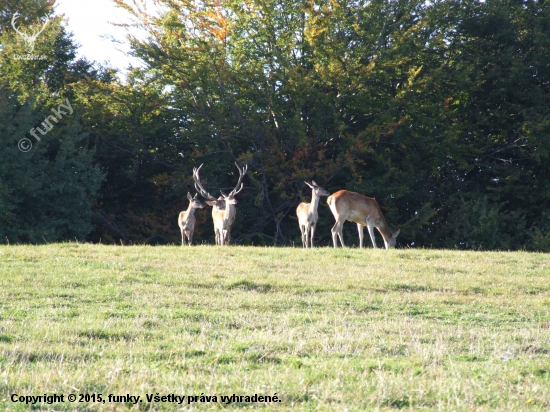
{"points": [[439, 110]]}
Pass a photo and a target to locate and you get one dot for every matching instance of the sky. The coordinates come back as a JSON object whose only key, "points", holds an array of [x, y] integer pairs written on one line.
{"points": [[88, 20]]}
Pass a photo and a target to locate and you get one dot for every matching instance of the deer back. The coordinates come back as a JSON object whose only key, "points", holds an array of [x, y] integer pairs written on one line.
{"points": [[354, 207]]}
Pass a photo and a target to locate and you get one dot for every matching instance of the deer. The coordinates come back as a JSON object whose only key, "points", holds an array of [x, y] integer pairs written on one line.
{"points": [[362, 210], [223, 208], [307, 213], [187, 219], [29, 39]]}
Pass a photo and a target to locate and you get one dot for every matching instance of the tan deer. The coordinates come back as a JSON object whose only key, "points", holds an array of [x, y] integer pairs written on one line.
{"points": [[362, 210], [223, 208], [187, 219], [307, 213]]}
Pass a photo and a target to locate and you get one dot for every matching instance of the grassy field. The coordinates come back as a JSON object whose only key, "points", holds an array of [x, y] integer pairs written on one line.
{"points": [[323, 329]]}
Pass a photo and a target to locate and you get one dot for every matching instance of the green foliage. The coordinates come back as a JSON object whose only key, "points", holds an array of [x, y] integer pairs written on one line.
{"points": [[478, 225], [439, 110], [540, 240], [46, 193]]}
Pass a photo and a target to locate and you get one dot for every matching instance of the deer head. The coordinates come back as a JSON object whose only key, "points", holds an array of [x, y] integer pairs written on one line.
{"points": [[194, 202], [317, 190]]}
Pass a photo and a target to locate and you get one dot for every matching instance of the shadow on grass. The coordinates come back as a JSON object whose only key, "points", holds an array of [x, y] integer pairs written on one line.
{"points": [[106, 335], [252, 286], [24, 357]]}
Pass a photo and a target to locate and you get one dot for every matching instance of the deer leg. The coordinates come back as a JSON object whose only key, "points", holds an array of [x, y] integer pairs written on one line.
{"points": [[370, 227], [312, 233], [337, 231], [334, 232], [361, 233], [190, 237], [341, 234], [182, 237], [302, 231]]}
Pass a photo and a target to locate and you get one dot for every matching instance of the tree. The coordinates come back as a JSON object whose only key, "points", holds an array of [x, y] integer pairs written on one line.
{"points": [[46, 192]]}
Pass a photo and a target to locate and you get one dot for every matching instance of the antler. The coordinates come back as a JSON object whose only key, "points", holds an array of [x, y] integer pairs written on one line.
{"points": [[242, 173], [35, 35], [198, 184], [15, 16]]}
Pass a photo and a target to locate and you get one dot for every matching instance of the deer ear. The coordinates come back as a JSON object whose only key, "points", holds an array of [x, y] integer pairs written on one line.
{"points": [[396, 234], [189, 196], [313, 183], [308, 184], [210, 202], [223, 194]]}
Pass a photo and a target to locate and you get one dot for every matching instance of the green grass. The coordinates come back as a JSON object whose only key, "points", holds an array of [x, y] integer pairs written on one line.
{"points": [[327, 330]]}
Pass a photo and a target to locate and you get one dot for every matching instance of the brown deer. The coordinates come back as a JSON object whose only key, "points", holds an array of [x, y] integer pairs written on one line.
{"points": [[223, 208], [362, 210], [186, 220], [307, 213]]}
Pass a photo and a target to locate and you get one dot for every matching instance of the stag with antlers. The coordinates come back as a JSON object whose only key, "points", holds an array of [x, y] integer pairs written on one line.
{"points": [[187, 219], [29, 39], [223, 208]]}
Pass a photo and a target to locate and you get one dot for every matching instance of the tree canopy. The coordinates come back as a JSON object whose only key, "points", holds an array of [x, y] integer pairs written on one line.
{"points": [[439, 110]]}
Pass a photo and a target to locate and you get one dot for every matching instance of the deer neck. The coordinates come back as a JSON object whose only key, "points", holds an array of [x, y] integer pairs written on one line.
{"points": [[229, 212], [314, 203], [190, 211], [385, 231]]}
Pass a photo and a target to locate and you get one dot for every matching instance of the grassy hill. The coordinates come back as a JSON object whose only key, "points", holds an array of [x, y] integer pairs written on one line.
{"points": [[321, 329]]}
